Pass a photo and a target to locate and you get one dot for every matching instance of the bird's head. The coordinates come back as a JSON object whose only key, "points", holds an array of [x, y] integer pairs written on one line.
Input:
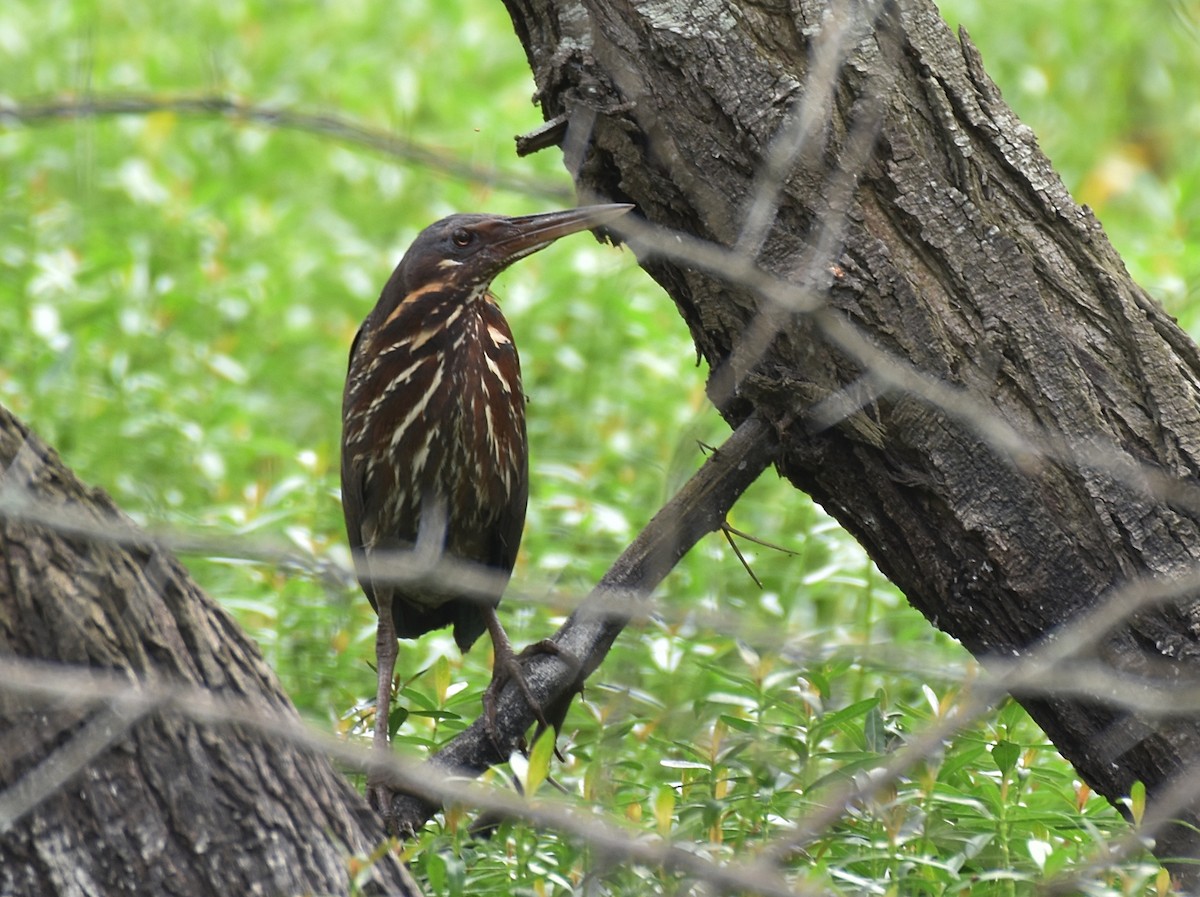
{"points": [[463, 253]]}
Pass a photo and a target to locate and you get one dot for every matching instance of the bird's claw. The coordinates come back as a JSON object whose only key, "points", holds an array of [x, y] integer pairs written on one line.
{"points": [[509, 667], [380, 793], [379, 796]]}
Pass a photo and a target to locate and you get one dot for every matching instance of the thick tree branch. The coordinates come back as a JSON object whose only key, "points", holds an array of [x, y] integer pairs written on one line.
{"points": [[76, 687], [968, 310], [699, 508], [117, 796]]}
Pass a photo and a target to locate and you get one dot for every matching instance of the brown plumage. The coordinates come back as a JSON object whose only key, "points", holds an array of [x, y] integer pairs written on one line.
{"points": [[433, 432]]}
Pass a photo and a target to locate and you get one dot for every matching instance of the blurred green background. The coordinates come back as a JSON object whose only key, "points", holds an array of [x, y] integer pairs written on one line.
{"points": [[177, 296]]}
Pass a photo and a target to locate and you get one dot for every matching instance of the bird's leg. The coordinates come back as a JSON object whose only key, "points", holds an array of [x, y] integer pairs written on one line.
{"points": [[379, 794], [507, 666]]}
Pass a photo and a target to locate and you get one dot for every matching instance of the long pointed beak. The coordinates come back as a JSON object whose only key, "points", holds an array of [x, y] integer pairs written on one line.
{"points": [[527, 234]]}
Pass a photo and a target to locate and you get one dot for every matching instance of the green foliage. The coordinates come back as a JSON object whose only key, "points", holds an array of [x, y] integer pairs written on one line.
{"points": [[179, 296]]}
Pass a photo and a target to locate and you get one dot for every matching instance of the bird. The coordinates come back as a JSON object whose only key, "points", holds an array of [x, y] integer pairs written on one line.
{"points": [[434, 455]]}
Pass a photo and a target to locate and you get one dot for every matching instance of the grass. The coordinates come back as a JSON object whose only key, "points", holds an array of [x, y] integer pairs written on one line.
{"points": [[178, 297]]}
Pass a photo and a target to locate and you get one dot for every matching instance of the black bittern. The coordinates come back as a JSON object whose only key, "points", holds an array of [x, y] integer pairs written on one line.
{"points": [[433, 439]]}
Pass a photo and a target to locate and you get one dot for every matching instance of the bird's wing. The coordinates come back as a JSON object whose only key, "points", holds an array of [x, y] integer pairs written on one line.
{"points": [[510, 523], [357, 524], [354, 489]]}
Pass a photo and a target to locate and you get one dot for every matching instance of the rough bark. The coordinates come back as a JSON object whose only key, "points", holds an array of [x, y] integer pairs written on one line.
{"points": [[159, 804], [1044, 458]]}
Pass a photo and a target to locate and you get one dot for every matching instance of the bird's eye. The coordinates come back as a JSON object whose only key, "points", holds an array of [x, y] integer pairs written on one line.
{"points": [[462, 237]]}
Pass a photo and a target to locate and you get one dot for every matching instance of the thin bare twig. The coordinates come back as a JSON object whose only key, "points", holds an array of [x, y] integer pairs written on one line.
{"points": [[337, 127], [726, 531]]}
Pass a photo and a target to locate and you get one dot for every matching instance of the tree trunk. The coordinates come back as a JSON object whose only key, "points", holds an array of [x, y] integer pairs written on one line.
{"points": [[105, 797], [960, 368]]}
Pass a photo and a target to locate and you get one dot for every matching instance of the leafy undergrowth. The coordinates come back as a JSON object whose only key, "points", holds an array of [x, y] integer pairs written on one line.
{"points": [[179, 297], [704, 743]]}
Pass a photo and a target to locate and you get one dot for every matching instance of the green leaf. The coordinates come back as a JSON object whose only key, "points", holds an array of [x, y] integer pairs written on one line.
{"points": [[442, 677], [539, 761], [851, 711], [1006, 754], [396, 719], [1137, 802], [875, 731], [664, 808], [740, 724], [435, 871]]}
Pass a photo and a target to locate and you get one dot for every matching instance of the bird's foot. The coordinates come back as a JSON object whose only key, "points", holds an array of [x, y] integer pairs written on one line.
{"points": [[508, 667], [379, 796], [380, 793]]}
